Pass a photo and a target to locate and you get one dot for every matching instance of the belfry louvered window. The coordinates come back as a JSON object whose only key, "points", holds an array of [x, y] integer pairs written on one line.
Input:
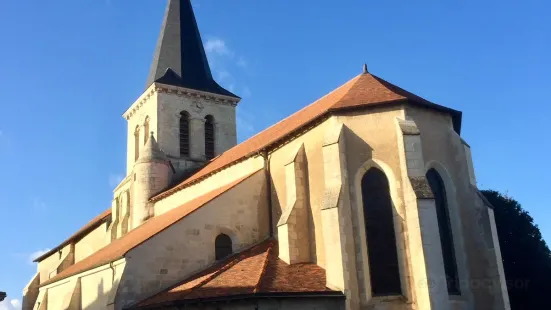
{"points": [[146, 130], [382, 254], [184, 134], [137, 143], [444, 227], [209, 137]]}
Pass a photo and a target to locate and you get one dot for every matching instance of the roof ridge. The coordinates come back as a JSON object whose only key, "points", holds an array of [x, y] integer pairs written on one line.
{"points": [[264, 266], [362, 91], [354, 80]]}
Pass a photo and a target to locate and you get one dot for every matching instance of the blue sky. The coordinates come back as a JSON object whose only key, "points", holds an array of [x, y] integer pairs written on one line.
{"points": [[69, 69]]}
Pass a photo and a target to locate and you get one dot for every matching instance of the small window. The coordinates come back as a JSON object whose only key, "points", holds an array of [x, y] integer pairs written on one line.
{"points": [[209, 137], [184, 134], [223, 246], [146, 130], [137, 143]]}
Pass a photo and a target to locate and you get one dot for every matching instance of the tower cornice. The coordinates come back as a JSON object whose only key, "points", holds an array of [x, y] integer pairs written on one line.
{"points": [[180, 91]]}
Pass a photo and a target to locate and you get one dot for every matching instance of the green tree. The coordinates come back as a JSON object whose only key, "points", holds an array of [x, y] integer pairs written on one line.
{"points": [[526, 257]]}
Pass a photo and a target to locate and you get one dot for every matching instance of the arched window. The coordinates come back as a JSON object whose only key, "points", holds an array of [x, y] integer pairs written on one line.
{"points": [[209, 137], [146, 130], [223, 246], [137, 143], [184, 134], [444, 227], [381, 239]]}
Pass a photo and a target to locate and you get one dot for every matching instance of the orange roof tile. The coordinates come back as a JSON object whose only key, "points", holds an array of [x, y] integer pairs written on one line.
{"points": [[255, 272], [364, 90], [97, 221], [118, 248]]}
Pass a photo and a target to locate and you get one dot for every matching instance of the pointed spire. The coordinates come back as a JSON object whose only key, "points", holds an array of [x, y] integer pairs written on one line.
{"points": [[151, 152], [180, 58], [365, 69]]}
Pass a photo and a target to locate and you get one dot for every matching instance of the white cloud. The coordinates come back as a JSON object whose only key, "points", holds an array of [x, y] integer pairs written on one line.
{"points": [[223, 74], [217, 46], [13, 304], [115, 179], [221, 57], [36, 254], [195, 5], [231, 87]]}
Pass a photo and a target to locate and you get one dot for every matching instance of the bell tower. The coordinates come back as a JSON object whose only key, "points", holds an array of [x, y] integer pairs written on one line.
{"points": [[191, 116]]}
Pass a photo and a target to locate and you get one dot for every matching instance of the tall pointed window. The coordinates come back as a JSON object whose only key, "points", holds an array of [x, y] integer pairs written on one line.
{"points": [[444, 227], [146, 130], [137, 143], [184, 134], [209, 137], [223, 246], [381, 239]]}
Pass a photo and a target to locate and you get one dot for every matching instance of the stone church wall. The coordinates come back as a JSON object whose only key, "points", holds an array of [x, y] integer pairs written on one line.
{"points": [[91, 243], [371, 141], [146, 106], [171, 105], [448, 154], [219, 179], [91, 290], [312, 140], [48, 266], [368, 135], [444, 152], [187, 246], [369, 125]]}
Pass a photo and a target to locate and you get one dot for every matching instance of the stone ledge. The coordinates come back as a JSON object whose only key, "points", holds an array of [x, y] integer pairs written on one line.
{"points": [[408, 127], [421, 187]]}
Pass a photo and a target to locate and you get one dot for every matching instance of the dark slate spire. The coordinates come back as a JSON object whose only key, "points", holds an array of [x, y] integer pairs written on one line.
{"points": [[180, 57]]}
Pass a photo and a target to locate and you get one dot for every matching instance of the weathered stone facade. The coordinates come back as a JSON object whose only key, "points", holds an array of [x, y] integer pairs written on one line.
{"points": [[298, 185]]}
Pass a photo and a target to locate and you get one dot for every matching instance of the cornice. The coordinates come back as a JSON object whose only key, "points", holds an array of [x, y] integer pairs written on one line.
{"points": [[193, 93], [150, 91], [179, 91]]}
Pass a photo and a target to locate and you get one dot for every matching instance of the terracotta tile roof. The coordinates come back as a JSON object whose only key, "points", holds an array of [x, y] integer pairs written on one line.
{"points": [[118, 248], [255, 272], [93, 224], [364, 90]]}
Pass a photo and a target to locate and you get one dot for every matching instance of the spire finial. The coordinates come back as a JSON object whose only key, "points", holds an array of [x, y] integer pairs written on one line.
{"points": [[365, 69], [152, 133]]}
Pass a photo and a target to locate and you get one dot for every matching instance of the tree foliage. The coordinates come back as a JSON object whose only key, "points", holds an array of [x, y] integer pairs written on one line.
{"points": [[526, 257]]}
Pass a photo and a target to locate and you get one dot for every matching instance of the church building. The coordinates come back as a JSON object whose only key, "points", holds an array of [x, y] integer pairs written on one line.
{"points": [[363, 199]]}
